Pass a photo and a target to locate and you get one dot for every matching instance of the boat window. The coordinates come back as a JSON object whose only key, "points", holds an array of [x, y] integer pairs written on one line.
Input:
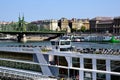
{"points": [[76, 62], [101, 76], [54, 43], [87, 63], [62, 61], [16, 55], [101, 64], [65, 43], [20, 65], [65, 49], [88, 75], [63, 73], [115, 66]]}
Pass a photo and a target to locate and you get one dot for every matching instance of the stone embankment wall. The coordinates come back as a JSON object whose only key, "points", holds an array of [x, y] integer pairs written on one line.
{"points": [[36, 38]]}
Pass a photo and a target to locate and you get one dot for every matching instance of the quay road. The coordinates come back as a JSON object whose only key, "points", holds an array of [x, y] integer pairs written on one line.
{"points": [[32, 32]]}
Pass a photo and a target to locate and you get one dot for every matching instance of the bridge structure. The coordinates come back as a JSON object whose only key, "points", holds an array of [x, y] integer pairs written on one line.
{"points": [[21, 35], [21, 31]]}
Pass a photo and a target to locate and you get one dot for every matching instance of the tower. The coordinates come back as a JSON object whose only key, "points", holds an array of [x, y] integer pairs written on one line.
{"points": [[21, 24]]}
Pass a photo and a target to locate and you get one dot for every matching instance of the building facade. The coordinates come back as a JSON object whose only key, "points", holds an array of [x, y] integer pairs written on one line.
{"points": [[101, 24], [86, 24], [54, 25], [46, 24], [116, 25], [63, 24], [73, 23], [105, 26], [76, 24]]}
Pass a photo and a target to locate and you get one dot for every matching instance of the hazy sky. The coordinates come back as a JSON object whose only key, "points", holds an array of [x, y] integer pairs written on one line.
{"points": [[55, 9]]}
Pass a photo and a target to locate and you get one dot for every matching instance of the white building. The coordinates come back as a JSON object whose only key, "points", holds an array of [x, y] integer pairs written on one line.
{"points": [[53, 25]]}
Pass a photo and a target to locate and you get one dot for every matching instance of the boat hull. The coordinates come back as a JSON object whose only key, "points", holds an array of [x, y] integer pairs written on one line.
{"points": [[114, 40]]}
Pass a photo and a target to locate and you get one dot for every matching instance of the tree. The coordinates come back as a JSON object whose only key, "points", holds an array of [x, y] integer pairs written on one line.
{"points": [[32, 27], [83, 28]]}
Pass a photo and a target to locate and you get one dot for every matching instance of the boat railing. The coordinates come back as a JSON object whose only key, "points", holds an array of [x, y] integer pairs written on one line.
{"points": [[99, 51], [19, 72], [22, 74], [17, 49]]}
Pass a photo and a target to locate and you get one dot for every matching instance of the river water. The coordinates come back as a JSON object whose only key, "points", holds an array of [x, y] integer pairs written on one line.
{"points": [[76, 44]]}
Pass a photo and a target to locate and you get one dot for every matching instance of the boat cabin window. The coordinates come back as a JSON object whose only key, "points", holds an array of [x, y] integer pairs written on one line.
{"points": [[54, 43], [65, 43], [65, 49]]}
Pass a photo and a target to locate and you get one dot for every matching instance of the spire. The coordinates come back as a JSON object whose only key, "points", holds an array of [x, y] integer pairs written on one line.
{"points": [[19, 17], [23, 17], [19, 22]]}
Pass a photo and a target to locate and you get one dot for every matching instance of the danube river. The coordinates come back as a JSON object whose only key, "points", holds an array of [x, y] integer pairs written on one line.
{"points": [[76, 44]]}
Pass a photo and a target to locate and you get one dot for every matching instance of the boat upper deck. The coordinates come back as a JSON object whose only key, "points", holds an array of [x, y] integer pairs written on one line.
{"points": [[48, 50], [30, 49]]}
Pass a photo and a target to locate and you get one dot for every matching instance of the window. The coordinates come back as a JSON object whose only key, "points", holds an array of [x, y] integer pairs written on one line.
{"points": [[65, 43], [88, 63], [65, 49], [61, 60], [63, 73], [101, 64], [87, 75], [16, 55], [54, 43], [115, 66], [75, 62], [101, 76], [20, 65]]}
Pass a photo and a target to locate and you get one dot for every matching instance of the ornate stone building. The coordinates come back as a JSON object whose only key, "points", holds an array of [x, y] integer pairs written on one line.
{"points": [[101, 24], [76, 24], [63, 24], [73, 23], [85, 23], [116, 25]]}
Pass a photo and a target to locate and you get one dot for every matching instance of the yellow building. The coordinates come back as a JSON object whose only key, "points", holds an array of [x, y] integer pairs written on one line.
{"points": [[63, 23]]}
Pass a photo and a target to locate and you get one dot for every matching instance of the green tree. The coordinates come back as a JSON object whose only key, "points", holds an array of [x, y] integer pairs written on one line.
{"points": [[83, 28], [11, 27], [32, 27]]}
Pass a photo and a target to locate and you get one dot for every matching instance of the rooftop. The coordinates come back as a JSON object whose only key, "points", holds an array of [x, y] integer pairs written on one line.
{"points": [[102, 18], [117, 17], [106, 22]]}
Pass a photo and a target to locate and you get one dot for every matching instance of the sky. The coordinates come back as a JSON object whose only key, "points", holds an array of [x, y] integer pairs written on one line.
{"points": [[34, 10]]}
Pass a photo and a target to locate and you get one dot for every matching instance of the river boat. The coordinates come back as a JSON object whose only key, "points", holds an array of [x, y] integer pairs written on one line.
{"points": [[115, 39], [74, 38], [91, 38], [7, 37], [61, 60], [96, 38]]}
